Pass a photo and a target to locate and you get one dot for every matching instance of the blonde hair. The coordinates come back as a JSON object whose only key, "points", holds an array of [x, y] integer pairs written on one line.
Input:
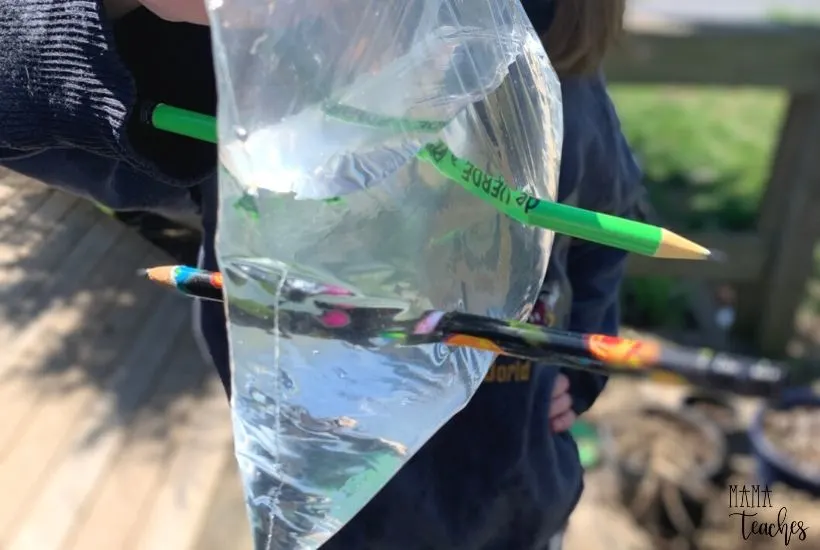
{"points": [[581, 33]]}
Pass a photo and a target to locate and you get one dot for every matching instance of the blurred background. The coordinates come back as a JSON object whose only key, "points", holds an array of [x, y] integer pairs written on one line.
{"points": [[115, 435], [720, 102]]}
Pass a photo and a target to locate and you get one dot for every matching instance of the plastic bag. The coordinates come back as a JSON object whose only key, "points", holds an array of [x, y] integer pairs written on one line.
{"points": [[325, 107]]}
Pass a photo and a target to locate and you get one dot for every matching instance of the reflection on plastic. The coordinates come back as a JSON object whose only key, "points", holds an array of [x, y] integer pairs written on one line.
{"points": [[321, 425]]}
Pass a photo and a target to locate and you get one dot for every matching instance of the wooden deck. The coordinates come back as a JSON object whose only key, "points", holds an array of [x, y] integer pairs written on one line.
{"points": [[114, 432]]}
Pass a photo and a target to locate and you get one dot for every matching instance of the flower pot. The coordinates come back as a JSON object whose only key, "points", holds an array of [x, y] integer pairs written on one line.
{"points": [[785, 438]]}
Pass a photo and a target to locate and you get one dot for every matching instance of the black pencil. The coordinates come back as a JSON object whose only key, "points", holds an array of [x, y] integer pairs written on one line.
{"points": [[608, 355]]}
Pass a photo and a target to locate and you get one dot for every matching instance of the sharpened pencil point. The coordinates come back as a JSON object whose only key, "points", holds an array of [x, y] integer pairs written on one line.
{"points": [[675, 247], [142, 272]]}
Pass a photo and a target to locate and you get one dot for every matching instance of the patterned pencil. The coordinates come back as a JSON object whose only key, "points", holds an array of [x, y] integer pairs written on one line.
{"points": [[194, 282], [330, 317]]}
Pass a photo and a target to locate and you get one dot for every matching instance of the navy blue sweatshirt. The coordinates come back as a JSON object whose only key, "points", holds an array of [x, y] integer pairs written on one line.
{"points": [[493, 478]]}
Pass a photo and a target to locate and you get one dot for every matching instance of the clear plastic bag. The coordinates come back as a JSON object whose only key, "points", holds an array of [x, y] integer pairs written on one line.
{"points": [[324, 109]]}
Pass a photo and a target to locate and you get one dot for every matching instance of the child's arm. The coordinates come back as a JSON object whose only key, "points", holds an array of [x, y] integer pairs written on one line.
{"points": [[607, 179], [61, 82], [69, 86]]}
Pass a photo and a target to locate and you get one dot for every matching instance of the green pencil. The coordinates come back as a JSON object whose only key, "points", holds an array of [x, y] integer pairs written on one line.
{"points": [[179, 121], [628, 235]]}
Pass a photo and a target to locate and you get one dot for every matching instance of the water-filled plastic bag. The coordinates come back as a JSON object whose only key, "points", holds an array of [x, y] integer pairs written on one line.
{"points": [[331, 115]]}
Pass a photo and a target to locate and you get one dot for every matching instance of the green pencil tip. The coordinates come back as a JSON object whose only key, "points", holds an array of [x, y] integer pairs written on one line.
{"points": [[717, 256]]}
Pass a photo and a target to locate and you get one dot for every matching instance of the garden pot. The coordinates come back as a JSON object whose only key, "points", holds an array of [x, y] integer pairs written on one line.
{"points": [[785, 438]]}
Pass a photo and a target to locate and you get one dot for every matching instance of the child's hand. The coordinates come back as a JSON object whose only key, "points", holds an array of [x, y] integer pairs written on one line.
{"points": [[561, 414], [180, 11]]}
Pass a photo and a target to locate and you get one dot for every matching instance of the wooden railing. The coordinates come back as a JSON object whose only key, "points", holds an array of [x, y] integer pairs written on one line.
{"points": [[772, 264]]}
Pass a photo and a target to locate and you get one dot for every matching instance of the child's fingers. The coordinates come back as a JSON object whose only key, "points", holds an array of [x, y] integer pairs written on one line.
{"points": [[561, 385], [563, 422], [560, 405]]}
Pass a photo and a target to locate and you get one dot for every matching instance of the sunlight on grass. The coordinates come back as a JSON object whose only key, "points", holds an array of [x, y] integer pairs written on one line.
{"points": [[709, 149], [794, 17], [706, 154]]}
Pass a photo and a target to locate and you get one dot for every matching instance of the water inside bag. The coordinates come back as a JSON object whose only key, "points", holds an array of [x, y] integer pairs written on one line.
{"points": [[316, 208]]}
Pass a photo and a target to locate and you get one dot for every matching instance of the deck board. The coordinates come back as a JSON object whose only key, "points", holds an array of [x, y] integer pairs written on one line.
{"points": [[41, 225], [41, 409], [53, 229], [141, 466], [29, 352], [19, 202], [42, 288], [193, 475], [93, 444], [114, 431], [226, 524]]}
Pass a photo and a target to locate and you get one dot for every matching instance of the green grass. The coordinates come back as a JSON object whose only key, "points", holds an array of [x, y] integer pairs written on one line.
{"points": [[793, 17], [706, 153]]}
